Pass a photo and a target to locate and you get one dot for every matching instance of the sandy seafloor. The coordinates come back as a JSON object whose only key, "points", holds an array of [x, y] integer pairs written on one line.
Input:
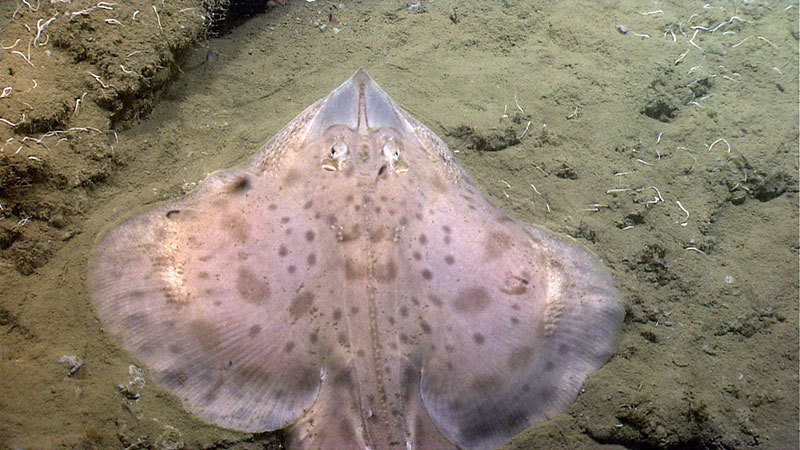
{"points": [[708, 356]]}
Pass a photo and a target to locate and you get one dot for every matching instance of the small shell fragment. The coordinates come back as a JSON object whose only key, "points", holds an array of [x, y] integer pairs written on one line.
{"points": [[72, 362]]}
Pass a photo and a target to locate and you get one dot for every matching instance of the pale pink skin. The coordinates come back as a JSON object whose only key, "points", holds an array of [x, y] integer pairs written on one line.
{"points": [[354, 286]]}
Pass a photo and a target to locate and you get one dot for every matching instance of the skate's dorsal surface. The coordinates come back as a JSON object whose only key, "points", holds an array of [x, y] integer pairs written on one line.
{"points": [[353, 285]]}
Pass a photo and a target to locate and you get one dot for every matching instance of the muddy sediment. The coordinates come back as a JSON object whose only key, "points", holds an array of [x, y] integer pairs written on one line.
{"points": [[73, 74]]}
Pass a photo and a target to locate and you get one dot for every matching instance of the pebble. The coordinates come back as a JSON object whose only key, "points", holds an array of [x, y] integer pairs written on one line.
{"points": [[738, 197]]}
